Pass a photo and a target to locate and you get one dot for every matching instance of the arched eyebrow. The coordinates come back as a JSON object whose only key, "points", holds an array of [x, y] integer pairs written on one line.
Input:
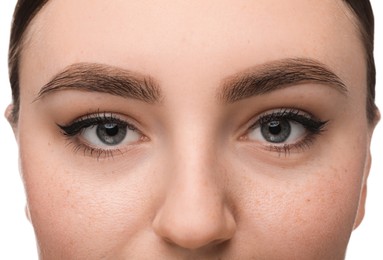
{"points": [[277, 75], [93, 77]]}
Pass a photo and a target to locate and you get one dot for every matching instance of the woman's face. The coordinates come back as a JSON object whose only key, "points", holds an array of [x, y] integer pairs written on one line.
{"points": [[193, 129]]}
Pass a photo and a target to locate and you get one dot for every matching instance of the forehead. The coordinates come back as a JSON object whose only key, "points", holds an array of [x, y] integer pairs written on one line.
{"points": [[210, 38]]}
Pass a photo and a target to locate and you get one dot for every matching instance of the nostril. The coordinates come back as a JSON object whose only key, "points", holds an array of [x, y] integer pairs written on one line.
{"points": [[168, 240], [194, 232], [191, 244], [217, 242]]}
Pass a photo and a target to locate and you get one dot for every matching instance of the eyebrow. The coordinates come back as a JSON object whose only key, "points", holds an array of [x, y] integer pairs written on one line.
{"points": [[276, 75], [102, 78]]}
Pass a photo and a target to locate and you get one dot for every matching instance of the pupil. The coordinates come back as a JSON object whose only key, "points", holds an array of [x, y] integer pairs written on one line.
{"points": [[111, 133], [274, 127], [276, 131], [111, 129]]}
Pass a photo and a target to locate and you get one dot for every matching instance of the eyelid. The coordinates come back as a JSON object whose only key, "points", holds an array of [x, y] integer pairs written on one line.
{"points": [[284, 112], [314, 127], [73, 133], [99, 117]]}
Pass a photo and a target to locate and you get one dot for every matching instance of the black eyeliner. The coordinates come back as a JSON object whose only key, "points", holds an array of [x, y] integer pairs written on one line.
{"points": [[311, 124], [77, 126]]}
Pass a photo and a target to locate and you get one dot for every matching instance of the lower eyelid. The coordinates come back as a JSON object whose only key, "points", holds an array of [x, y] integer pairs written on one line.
{"points": [[86, 150]]}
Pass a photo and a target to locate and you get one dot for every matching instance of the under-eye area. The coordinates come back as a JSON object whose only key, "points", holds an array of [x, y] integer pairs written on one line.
{"points": [[102, 134], [284, 130]]}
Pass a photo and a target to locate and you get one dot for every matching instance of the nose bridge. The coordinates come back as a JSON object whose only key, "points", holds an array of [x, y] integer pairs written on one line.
{"points": [[195, 173], [195, 165], [194, 147], [194, 213]]}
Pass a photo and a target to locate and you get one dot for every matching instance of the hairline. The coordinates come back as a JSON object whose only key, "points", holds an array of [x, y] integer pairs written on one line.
{"points": [[15, 55]]}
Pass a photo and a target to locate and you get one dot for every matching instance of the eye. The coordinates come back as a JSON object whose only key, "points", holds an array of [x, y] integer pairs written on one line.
{"points": [[110, 134], [278, 131], [101, 133], [285, 129]]}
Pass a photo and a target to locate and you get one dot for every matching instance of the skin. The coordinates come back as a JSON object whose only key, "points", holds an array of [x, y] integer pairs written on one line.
{"points": [[195, 185]]}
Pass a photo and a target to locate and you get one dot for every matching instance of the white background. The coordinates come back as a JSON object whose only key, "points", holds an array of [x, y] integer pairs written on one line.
{"points": [[16, 233]]}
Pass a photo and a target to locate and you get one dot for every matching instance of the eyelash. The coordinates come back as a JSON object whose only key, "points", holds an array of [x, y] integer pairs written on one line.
{"points": [[313, 126], [73, 129]]}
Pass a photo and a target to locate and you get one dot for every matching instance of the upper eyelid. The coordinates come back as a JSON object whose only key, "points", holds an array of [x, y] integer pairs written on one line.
{"points": [[107, 116], [280, 112], [99, 118], [102, 119], [97, 114], [287, 114]]}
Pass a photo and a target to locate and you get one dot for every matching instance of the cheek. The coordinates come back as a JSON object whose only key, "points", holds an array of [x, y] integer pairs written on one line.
{"points": [[82, 212], [308, 209]]}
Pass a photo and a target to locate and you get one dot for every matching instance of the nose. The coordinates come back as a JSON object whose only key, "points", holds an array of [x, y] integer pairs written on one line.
{"points": [[195, 212]]}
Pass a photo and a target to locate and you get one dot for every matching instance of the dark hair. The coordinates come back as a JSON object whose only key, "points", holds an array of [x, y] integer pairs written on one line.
{"points": [[24, 13], [26, 10]]}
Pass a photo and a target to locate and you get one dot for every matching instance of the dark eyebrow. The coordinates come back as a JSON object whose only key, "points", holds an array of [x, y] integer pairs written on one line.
{"points": [[102, 78], [276, 75]]}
